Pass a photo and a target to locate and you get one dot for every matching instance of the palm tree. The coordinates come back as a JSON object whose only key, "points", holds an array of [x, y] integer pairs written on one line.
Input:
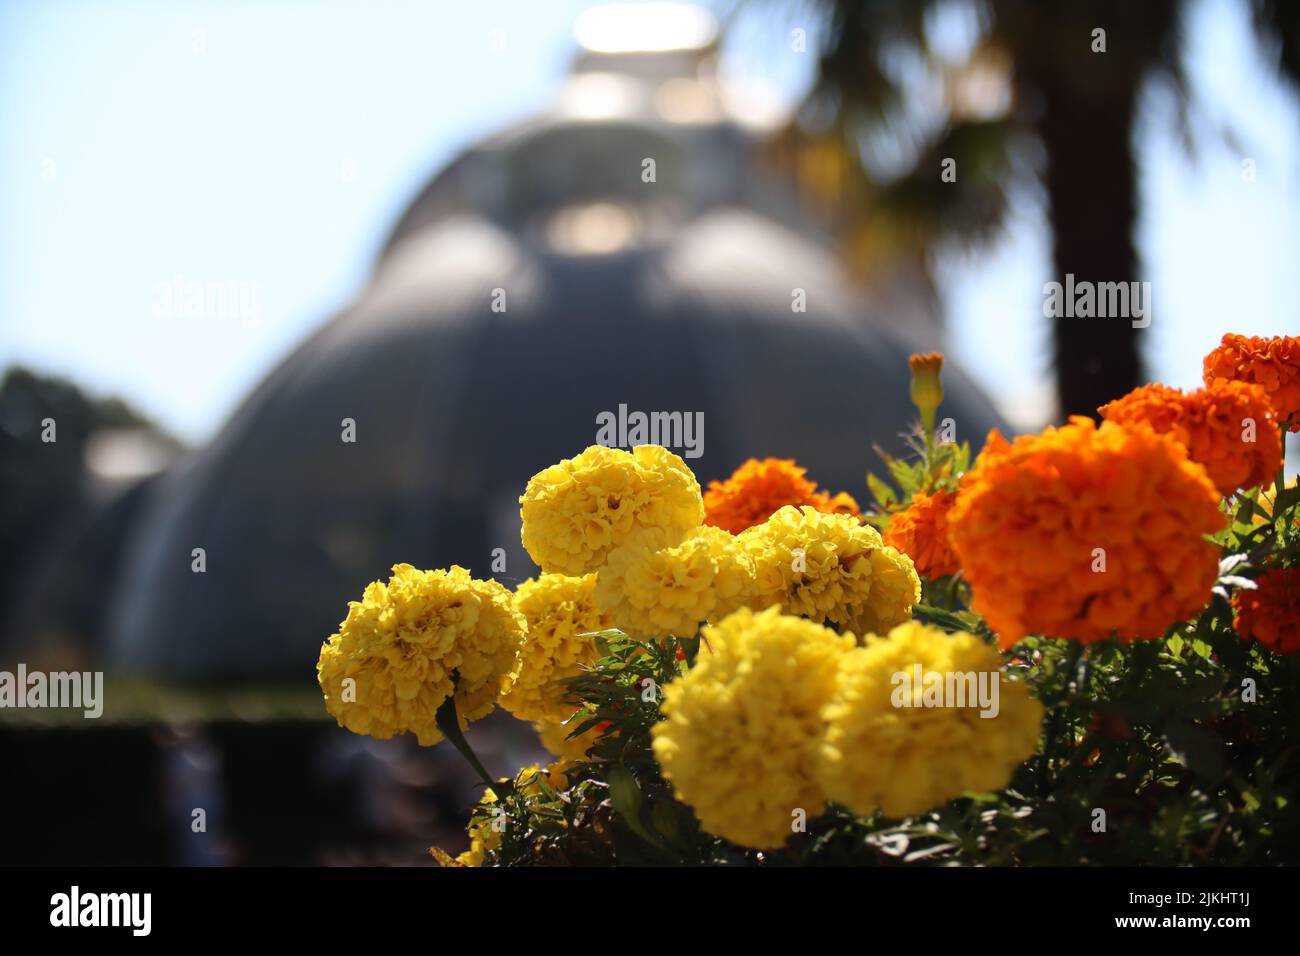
{"points": [[1067, 113]]}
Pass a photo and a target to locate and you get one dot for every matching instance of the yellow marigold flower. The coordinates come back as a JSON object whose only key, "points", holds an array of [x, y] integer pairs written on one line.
{"points": [[652, 587], [484, 830], [1273, 363], [920, 531], [561, 613], [1086, 533], [733, 571], [576, 512], [888, 747], [830, 568], [758, 488], [409, 644], [1270, 613], [482, 837], [555, 738], [739, 736], [1227, 426]]}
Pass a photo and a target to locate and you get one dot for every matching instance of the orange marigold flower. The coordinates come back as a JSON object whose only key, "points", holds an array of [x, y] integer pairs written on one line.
{"points": [[921, 532], [1273, 363], [1270, 613], [1229, 427], [757, 489], [1086, 532]]}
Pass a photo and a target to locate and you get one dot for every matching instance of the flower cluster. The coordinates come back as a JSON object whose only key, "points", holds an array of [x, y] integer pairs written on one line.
{"points": [[1228, 427], [759, 488], [739, 667], [1273, 363], [902, 760], [409, 645], [662, 575], [1086, 532], [818, 718]]}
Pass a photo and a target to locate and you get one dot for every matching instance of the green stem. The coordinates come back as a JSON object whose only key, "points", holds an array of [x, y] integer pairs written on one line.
{"points": [[954, 584], [927, 429], [449, 724], [1063, 701], [1279, 482]]}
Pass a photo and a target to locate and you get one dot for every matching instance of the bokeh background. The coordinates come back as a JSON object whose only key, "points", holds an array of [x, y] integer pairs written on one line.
{"points": [[227, 227]]}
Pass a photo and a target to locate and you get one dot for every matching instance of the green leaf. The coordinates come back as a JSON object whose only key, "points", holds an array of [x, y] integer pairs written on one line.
{"points": [[1287, 500], [625, 794], [691, 648], [883, 494], [1245, 511], [904, 475], [939, 617], [448, 722], [585, 726]]}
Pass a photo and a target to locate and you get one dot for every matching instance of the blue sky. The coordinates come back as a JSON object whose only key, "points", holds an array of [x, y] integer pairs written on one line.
{"points": [[272, 144]]}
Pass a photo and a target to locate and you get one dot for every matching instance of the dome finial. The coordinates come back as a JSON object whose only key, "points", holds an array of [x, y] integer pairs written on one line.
{"points": [[620, 28]]}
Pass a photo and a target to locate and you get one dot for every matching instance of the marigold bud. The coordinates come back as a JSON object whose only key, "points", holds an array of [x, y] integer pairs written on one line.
{"points": [[927, 386]]}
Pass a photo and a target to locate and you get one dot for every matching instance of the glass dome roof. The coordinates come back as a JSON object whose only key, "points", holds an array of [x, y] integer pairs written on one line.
{"points": [[674, 295]]}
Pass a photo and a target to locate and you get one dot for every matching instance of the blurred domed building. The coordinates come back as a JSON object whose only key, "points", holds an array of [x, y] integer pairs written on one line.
{"points": [[624, 248]]}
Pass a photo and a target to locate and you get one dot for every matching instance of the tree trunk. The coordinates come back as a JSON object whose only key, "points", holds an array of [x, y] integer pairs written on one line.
{"points": [[1091, 183], [1081, 100]]}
